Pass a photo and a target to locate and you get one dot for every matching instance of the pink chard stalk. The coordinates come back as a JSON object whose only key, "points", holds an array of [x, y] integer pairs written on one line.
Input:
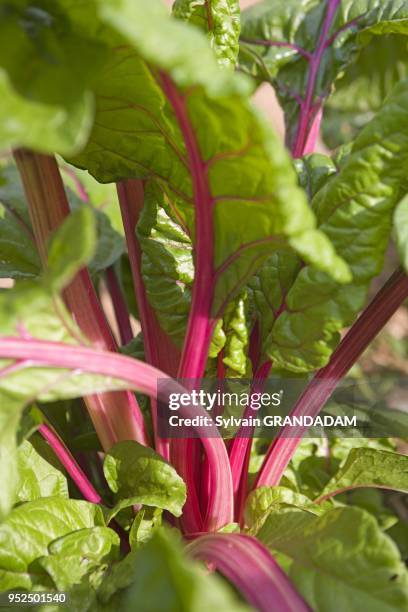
{"points": [[186, 454]]}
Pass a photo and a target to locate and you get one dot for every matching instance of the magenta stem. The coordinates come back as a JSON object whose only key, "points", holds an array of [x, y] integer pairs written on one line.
{"points": [[250, 567], [240, 448], [307, 110], [200, 326], [205, 484], [119, 306], [318, 391], [69, 463]]}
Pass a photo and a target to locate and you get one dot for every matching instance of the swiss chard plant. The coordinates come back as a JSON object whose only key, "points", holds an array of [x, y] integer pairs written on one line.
{"points": [[153, 227]]}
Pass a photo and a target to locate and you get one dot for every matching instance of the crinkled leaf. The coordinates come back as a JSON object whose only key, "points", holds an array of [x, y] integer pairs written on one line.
{"points": [[220, 19], [366, 467], [264, 500], [138, 475], [354, 208], [401, 230], [300, 23], [235, 328], [52, 54], [167, 264], [38, 478], [341, 560], [72, 556], [29, 530]]}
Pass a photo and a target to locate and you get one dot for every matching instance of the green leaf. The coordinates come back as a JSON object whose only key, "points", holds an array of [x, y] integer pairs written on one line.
{"points": [[109, 243], [164, 579], [116, 579], [401, 230], [139, 24], [71, 247], [167, 263], [50, 63], [38, 477], [220, 19], [92, 236], [235, 328], [264, 500], [52, 54], [29, 530], [147, 521], [341, 447], [314, 171], [366, 467], [138, 475], [341, 560], [399, 533], [10, 411], [19, 256], [22, 122], [103, 197], [83, 189], [371, 500], [300, 23], [354, 208], [73, 556], [360, 92]]}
